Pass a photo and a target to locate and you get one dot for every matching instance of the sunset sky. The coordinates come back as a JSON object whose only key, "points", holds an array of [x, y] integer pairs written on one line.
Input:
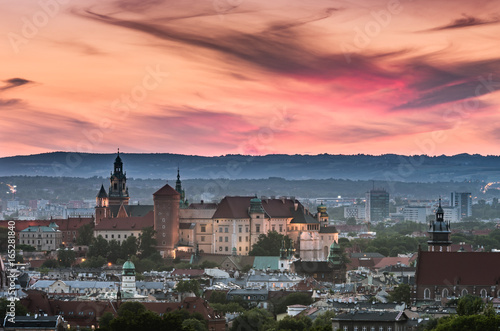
{"points": [[215, 77]]}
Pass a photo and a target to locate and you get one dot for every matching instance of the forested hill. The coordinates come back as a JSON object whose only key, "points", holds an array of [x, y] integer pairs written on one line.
{"points": [[355, 167]]}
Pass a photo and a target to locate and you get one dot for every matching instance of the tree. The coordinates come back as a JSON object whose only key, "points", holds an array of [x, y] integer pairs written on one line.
{"points": [[50, 263], [93, 262], [129, 247], [270, 244], [114, 251], [105, 319], [323, 321], [255, 319], [193, 324], [20, 310], [401, 294], [469, 305], [218, 297], [350, 221], [186, 286], [85, 234], [131, 306], [66, 257], [98, 247], [297, 323], [147, 242]]}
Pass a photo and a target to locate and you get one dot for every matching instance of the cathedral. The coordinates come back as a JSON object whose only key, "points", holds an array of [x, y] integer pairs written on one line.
{"points": [[229, 227]]}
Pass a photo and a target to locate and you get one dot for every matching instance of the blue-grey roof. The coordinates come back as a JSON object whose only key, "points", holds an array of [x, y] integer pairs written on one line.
{"points": [[264, 262], [42, 228]]}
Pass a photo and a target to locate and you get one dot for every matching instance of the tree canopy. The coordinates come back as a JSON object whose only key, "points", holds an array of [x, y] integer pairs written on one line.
{"points": [[269, 244]]}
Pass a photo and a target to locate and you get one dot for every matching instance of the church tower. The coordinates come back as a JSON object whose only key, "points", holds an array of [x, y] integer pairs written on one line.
{"points": [[101, 205], [128, 285], [322, 215], [118, 190], [178, 188], [439, 233]]}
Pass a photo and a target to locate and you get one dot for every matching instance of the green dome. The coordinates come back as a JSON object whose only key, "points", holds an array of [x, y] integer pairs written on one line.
{"points": [[128, 268], [255, 200]]}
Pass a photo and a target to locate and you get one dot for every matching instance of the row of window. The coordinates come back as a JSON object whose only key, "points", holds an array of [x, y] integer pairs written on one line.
{"points": [[369, 328], [38, 242], [445, 293], [25, 235], [118, 236], [226, 249]]}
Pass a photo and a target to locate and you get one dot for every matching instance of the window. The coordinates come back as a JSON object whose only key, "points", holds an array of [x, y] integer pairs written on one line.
{"points": [[445, 293], [273, 228], [246, 238], [112, 236], [227, 249], [125, 236], [257, 228], [220, 249], [119, 236], [226, 239], [464, 292], [484, 294], [246, 248], [246, 229], [226, 229], [381, 328], [202, 238], [239, 239], [240, 229], [220, 229], [239, 248], [203, 228], [355, 328], [345, 328], [220, 239], [427, 293], [281, 227]]}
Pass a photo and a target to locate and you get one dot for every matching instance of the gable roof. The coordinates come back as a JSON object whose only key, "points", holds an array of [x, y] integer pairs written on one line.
{"points": [[131, 210], [238, 207], [385, 316], [328, 229], [166, 191], [464, 268], [126, 223]]}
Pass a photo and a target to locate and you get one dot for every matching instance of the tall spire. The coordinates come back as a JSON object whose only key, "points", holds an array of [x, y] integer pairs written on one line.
{"points": [[178, 188]]}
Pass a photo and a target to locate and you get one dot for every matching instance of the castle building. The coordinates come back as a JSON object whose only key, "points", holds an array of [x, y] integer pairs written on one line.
{"points": [[229, 227]]}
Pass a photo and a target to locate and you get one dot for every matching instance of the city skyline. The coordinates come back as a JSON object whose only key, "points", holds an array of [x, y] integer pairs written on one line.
{"points": [[250, 77]]}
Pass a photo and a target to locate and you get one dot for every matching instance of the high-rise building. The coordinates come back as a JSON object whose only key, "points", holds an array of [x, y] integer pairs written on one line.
{"points": [[462, 200], [377, 205]]}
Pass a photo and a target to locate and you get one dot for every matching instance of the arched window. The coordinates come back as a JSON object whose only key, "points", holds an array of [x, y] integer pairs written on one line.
{"points": [[484, 294], [445, 293], [464, 292], [427, 293]]}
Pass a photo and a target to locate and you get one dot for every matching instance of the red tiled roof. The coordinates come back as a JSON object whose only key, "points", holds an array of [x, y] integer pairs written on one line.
{"points": [[69, 224], [167, 190], [126, 223], [467, 268]]}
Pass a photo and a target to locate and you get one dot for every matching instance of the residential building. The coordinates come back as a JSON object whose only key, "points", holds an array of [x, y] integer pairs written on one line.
{"points": [[43, 238]]}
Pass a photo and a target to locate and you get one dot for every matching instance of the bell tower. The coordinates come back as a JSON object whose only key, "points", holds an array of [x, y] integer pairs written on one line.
{"points": [[439, 233], [118, 190]]}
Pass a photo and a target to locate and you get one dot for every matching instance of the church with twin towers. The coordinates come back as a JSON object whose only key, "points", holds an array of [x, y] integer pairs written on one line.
{"points": [[228, 227]]}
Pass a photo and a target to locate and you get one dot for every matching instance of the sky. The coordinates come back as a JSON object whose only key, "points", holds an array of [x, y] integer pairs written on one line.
{"points": [[216, 77]]}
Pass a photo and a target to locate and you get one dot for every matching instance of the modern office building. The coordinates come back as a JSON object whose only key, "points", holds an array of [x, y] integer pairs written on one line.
{"points": [[462, 200], [377, 205]]}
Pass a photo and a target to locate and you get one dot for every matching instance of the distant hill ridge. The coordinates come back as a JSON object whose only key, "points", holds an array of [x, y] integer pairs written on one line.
{"points": [[355, 167]]}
